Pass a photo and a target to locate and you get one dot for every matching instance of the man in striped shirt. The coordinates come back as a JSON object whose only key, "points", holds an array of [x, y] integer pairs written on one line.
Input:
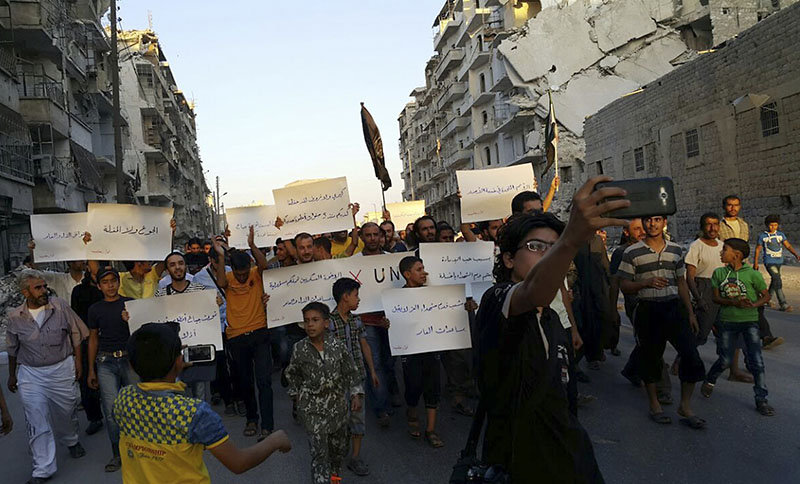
{"points": [[654, 271]]}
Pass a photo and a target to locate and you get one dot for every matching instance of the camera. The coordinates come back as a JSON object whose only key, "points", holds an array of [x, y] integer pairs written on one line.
{"points": [[199, 354]]}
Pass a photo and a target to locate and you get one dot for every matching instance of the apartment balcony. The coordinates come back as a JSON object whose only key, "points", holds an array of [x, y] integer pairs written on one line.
{"points": [[458, 157], [502, 82], [41, 101], [479, 57], [34, 24], [517, 121], [8, 59], [453, 125], [451, 59], [455, 91], [482, 99], [447, 27]]}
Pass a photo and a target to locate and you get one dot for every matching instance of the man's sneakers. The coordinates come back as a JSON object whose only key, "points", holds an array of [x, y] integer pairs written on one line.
{"points": [[358, 466], [94, 427], [771, 342], [114, 464], [77, 451]]}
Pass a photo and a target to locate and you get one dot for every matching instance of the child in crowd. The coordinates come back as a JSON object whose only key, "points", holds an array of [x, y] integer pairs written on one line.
{"points": [[321, 372], [772, 241], [739, 290], [350, 331], [162, 432], [421, 371]]}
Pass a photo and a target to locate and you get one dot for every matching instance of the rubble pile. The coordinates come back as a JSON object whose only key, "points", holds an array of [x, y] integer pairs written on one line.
{"points": [[10, 297]]}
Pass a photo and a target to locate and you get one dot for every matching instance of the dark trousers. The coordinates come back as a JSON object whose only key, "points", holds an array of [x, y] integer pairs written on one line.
{"points": [[252, 359], [225, 384], [90, 398], [659, 322], [421, 377], [458, 382], [378, 341]]}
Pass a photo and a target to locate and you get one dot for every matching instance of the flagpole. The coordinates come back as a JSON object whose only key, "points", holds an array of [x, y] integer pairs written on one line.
{"points": [[555, 145], [383, 196]]}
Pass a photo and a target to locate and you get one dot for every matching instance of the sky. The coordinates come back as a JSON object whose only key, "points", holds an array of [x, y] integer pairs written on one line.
{"points": [[277, 86]]}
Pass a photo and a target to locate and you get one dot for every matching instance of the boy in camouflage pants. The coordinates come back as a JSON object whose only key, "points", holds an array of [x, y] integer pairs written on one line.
{"points": [[320, 374]]}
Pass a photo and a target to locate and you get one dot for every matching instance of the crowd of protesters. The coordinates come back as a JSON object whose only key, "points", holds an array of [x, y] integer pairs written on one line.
{"points": [[554, 302]]}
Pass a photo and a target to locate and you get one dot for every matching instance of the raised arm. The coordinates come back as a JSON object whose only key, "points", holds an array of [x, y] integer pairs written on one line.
{"points": [[548, 200], [543, 281], [261, 259], [222, 281], [469, 235]]}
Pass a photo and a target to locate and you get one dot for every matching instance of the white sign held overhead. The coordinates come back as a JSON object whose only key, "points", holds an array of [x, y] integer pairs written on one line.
{"points": [[59, 237], [427, 319], [316, 208], [128, 232], [196, 312], [487, 194], [469, 263], [291, 288], [262, 218], [405, 213]]}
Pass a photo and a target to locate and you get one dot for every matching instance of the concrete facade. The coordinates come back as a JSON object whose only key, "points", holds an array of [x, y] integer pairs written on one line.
{"points": [[162, 156], [725, 123], [486, 99], [55, 114]]}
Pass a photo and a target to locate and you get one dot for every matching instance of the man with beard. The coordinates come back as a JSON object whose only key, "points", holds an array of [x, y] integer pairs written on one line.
{"points": [[393, 243], [44, 363], [197, 377], [61, 283]]}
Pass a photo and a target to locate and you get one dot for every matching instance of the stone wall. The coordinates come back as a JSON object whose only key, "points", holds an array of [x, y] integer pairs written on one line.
{"points": [[719, 100]]}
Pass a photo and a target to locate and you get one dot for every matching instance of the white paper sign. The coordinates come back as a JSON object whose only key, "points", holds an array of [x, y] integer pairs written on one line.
{"points": [[128, 232], [196, 312], [426, 319], [458, 262], [373, 217], [487, 194], [262, 218], [405, 213], [316, 208], [59, 237], [291, 288]]}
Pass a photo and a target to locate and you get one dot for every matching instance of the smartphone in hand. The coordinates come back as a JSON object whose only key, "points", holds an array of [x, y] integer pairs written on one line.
{"points": [[648, 196]]}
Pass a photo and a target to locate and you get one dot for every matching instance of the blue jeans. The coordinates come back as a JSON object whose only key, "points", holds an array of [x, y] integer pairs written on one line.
{"points": [[378, 341], [726, 344], [776, 284], [112, 375]]}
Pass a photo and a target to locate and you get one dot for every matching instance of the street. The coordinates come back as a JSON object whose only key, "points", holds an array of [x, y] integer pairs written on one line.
{"points": [[738, 445]]}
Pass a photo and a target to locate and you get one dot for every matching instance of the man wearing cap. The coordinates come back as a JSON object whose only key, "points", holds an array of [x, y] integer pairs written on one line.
{"points": [[108, 359], [44, 362]]}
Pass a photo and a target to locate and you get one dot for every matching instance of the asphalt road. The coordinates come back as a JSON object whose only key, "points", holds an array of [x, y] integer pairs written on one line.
{"points": [[739, 445]]}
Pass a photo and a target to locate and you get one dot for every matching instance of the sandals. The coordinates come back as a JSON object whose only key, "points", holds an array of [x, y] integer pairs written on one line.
{"points": [[665, 399], [433, 439], [413, 425], [264, 434], [706, 389], [463, 409], [765, 409], [694, 422], [250, 430], [660, 418]]}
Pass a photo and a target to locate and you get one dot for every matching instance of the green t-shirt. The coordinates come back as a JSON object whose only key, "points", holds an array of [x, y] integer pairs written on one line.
{"points": [[746, 282]]}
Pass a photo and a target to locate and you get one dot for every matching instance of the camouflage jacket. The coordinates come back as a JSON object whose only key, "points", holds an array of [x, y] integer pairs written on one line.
{"points": [[321, 385]]}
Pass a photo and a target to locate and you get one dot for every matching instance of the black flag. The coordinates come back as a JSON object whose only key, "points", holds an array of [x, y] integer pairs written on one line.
{"points": [[551, 138], [375, 146]]}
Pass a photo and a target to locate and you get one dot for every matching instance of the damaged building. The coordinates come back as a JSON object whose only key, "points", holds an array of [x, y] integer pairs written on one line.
{"points": [[485, 97], [56, 135], [727, 122], [162, 156]]}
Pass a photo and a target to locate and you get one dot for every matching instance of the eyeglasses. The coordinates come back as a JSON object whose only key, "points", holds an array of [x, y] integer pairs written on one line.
{"points": [[536, 245]]}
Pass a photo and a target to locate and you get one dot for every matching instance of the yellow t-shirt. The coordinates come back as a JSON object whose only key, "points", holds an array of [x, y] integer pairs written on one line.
{"points": [[338, 249], [129, 287], [245, 309], [163, 434]]}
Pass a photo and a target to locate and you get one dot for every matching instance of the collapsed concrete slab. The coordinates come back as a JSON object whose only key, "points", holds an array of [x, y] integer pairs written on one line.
{"points": [[653, 61], [619, 22]]}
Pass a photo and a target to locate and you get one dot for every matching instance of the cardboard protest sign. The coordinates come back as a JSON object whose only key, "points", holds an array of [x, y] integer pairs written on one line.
{"points": [[458, 262], [487, 194], [128, 232], [405, 213], [316, 207], [426, 319], [59, 237], [196, 312], [291, 288], [262, 218]]}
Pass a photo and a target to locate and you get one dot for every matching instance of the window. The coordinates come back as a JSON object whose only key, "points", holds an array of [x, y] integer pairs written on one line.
{"points": [[692, 143], [497, 152], [487, 155], [485, 117], [566, 174], [769, 119], [638, 159], [599, 167], [483, 83]]}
